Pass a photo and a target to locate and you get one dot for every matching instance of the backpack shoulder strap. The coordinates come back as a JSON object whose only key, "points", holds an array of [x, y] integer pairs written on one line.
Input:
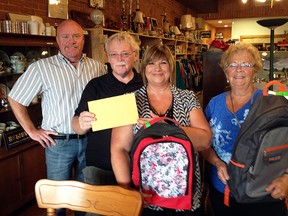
{"points": [[164, 118], [281, 91]]}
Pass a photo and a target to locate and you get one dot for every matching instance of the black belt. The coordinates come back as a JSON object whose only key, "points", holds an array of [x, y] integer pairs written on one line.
{"points": [[67, 136]]}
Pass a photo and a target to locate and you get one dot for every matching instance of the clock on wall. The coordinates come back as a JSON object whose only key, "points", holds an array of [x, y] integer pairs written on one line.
{"points": [[97, 3]]}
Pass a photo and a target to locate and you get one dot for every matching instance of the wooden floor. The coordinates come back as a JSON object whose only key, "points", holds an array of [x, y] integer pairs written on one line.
{"points": [[31, 209]]}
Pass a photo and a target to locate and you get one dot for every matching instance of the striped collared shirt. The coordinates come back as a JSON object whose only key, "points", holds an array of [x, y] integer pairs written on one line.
{"points": [[60, 86]]}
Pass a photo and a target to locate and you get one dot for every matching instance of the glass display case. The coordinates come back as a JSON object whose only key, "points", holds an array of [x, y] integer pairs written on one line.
{"points": [[280, 66]]}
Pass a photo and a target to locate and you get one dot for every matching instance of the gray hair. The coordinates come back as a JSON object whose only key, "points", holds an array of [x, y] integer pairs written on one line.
{"points": [[123, 36]]}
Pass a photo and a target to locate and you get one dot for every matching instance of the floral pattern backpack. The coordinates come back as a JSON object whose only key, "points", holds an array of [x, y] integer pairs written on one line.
{"points": [[163, 164]]}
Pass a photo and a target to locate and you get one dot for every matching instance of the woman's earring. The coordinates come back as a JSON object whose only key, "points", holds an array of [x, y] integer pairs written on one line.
{"points": [[228, 81]]}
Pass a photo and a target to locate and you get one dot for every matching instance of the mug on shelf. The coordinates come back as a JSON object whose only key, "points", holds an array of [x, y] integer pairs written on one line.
{"points": [[33, 27], [20, 66], [2, 126]]}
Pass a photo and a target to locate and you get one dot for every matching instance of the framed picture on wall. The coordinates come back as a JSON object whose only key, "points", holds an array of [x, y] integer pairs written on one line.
{"points": [[154, 24], [97, 3], [58, 9]]}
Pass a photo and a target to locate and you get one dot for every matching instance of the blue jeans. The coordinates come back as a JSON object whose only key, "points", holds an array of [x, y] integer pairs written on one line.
{"points": [[62, 158]]}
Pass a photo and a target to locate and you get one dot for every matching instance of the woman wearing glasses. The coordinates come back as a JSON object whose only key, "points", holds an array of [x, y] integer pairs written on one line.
{"points": [[225, 113]]}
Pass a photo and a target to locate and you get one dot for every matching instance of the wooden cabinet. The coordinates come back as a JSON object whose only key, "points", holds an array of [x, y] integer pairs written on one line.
{"points": [[20, 168], [22, 165], [33, 167], [10, 188], [44, 45]]}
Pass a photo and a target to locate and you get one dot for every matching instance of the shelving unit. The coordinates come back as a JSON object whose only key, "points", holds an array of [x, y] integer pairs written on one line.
{"points": [[23, 43], [23, 164], [282, 47], [11, 43], [262, 42], [180, 48]]}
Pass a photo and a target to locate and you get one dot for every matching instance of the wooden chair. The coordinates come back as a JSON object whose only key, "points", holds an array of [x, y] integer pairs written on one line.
{"points": [[79, 196]]}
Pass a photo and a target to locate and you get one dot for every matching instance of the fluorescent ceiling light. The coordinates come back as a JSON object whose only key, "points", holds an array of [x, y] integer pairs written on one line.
{"points": [[264, 54]]}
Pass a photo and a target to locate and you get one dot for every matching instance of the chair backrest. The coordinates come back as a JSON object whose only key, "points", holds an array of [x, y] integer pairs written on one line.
{"points": [[79, 196]]}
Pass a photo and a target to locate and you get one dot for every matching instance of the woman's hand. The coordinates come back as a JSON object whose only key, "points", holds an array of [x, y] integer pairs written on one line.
{"points": [[222, 171], [141, 121], [145, 203]]}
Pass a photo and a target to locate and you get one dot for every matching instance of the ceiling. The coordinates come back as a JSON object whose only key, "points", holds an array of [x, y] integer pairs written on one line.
{"points": [[211, 6], [204, 6], [201, 6], [216, 24]]}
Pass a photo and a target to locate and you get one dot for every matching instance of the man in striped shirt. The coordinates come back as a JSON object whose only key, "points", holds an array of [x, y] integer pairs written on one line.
{"points": [[60, 80]]}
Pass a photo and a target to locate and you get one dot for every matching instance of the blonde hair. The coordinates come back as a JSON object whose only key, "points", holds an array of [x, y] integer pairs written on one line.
{"points": [[154, 53], [241, 47]]}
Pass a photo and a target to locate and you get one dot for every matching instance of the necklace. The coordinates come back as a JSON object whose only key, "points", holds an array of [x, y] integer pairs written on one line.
{"points": [[167, 113], [233, 110]]}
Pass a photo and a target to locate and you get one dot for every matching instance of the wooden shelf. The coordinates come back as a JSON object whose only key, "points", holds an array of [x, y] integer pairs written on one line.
{"points": [[282, 45], [10, 39]]}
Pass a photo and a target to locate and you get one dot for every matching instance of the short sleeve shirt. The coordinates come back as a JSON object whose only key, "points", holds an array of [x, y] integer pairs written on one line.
{"points": [[98, 147], [60, 85], [225, 129]]}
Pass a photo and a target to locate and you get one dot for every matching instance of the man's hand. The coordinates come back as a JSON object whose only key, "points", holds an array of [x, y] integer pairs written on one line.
{"points": [[279, 187], [42, 136], [85, 119]]}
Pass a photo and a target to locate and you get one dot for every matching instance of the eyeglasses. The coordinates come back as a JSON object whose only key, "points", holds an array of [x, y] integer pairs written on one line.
{"points": [[122, 54], [243, 65]]}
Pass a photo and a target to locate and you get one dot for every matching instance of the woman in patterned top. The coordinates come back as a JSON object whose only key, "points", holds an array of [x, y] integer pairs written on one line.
{"points": [[158, 97]]}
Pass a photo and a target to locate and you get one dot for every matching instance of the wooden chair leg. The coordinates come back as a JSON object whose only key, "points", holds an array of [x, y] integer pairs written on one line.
{"points": [[51, 212]]}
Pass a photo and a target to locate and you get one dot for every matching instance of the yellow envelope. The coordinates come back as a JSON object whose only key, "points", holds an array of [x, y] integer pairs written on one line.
{"points": [[114, 111]]}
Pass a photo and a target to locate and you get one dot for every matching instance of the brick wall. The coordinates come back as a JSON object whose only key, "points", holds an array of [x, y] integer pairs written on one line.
{"points": [[113, 9], [232, 9], [226, 9]]}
